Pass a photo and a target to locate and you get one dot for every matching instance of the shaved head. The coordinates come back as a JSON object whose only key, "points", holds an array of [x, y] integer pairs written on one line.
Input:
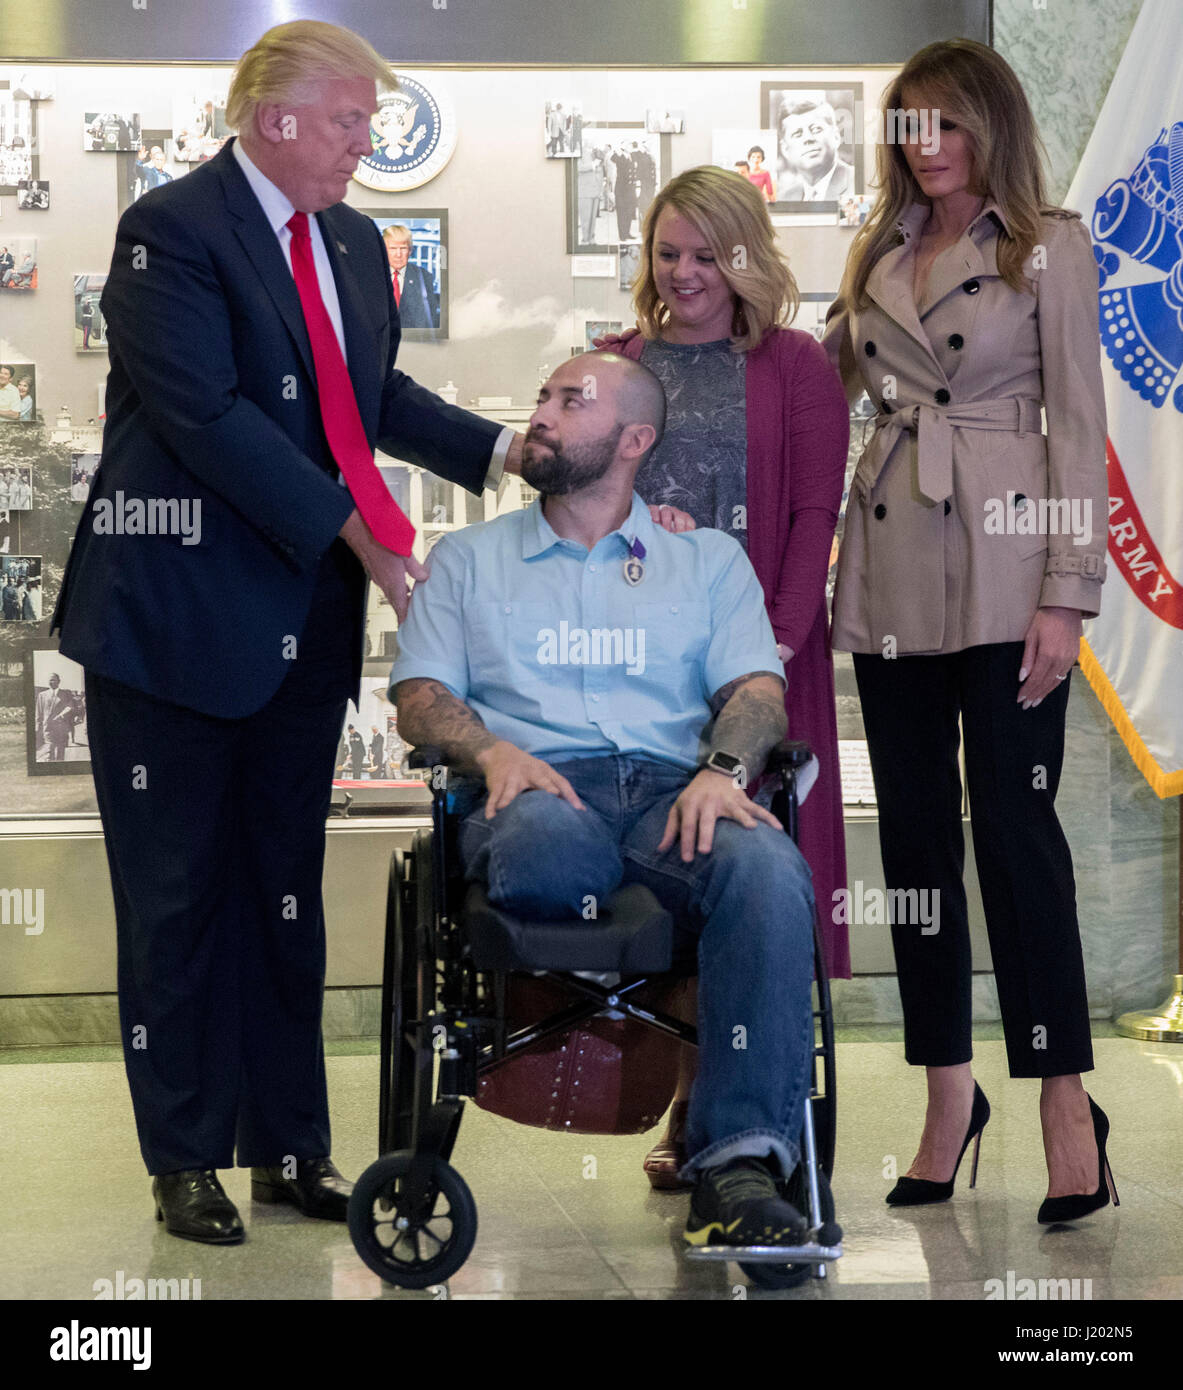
{"points": [[639, 395]]}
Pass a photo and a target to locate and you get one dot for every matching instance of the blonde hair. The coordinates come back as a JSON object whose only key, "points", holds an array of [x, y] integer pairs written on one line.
{"points": [[290, 60], [732, 216], [970, 84]]}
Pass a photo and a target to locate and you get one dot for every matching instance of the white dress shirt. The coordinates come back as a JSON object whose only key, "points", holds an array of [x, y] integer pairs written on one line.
{"points": [[278, 209]]}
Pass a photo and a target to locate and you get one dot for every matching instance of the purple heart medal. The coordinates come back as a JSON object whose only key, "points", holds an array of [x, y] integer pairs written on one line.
{"points": [[634, 567]]}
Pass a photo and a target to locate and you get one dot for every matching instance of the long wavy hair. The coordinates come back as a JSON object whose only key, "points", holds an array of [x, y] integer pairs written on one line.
{"points": [[971, 85], [732, 216]]}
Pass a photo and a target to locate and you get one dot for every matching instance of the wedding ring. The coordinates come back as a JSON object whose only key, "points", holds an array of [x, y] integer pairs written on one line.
{"points": [[1062, 678]]}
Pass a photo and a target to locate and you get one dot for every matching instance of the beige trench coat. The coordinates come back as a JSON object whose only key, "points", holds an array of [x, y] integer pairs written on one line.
{"points": [[935, 554]]}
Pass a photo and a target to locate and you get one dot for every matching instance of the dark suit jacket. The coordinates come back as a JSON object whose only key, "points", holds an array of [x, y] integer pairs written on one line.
{"points": [[419, 307], [212, 397]]}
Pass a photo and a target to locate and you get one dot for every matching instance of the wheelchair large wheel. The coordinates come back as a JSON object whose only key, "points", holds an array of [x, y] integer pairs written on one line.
{"points": [[796, 1191], [412, 1255]]}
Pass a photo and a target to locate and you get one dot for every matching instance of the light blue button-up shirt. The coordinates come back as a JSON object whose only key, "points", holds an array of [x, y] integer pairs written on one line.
{"points": [[562, 657]]}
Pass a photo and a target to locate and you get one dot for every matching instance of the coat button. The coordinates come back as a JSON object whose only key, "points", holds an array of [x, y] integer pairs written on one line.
{"points": [[880, 511], [956, 341], [948, 507], [971, 287], [869, 349], [1020, 498], [941, 396]]}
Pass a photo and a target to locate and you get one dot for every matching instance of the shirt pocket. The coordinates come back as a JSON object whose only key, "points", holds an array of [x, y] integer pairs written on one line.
{"points": [[674, 637], [504, 642]]}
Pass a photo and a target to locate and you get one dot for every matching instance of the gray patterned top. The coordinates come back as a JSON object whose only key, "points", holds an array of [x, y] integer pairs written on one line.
{"points": [[700, 465]]}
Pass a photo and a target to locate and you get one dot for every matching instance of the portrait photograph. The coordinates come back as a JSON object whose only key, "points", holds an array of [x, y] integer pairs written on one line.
{"points": [[32, 195], [90, 329], [199, 126], [55, 713], [18, 264], [612, 183], [416, 242], [18, 394], [562, 124], [108, 132], [659, 120], [751, 153], [20, 589], [819, 157], [16, 142], [148, 166], [82, 470], [16, 487]]}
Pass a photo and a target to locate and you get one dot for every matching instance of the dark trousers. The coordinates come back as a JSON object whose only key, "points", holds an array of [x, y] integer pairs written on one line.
{"points": [[1013, 759], [215, 835]]}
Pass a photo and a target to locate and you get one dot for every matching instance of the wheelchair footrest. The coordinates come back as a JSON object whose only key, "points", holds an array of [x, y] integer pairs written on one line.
{"points": [[811, 1253]]}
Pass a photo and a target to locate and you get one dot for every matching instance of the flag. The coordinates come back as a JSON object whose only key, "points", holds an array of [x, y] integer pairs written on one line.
{"points": [[1129, 188]]}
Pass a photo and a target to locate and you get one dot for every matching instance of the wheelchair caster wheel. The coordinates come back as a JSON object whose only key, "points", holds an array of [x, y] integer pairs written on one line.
{"points": [[412, 1255], [766, 1276]]}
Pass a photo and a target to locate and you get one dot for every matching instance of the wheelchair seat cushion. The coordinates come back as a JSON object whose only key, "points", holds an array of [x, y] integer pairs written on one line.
{"points": [[633, 935]]}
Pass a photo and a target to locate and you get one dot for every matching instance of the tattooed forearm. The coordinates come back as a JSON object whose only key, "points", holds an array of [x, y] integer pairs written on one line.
{"points": [[428, 712], [751, 719]]}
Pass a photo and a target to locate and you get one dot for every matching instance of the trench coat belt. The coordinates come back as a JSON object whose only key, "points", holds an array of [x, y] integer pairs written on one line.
{"points": [[933, 426]]}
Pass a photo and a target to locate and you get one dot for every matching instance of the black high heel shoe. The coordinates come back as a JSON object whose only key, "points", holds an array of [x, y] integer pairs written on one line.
{"points": [[917, 1192], [1078, 1204]]}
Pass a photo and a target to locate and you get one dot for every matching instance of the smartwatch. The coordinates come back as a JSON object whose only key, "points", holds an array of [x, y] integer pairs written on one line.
{"points": [[726, 763]]}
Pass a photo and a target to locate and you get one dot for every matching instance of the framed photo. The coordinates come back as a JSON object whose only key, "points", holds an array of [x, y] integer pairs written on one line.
{"points": [[17, 141], [20, 589], [597, 328], [660, 120], [55, 713], [146, 167], [83, 467], [610, 186], [90, 328], [630, 263], [562, 127], [32, 195], [18, 265], [32, 84], [199, 126], [416, 241], [819, 151], [750, 152], [853, 212], [16, 487], [18, 392], [108, 132]]}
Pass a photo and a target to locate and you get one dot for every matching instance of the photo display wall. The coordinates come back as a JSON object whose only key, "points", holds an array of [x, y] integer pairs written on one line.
{"points": [[510, 204]]}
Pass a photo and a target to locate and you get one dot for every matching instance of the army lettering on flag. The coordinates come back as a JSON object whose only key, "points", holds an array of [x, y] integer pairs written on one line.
{"points": [[1129, 187]]}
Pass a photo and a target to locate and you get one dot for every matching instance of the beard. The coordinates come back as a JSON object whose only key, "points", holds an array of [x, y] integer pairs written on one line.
{"points": [[556, 471]]}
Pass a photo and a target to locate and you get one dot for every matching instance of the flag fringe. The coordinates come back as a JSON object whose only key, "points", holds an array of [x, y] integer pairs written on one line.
{"points": [[1163, 783]]}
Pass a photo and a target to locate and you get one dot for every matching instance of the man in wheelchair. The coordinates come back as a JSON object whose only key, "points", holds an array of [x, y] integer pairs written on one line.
{"points": [[569, 659]]}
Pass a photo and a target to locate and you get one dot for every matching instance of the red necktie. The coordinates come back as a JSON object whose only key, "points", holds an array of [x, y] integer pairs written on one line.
{"points": [[398, 294], [338, 405]]}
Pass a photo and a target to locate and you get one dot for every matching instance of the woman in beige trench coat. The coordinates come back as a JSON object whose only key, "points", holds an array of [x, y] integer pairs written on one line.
{"points": [[974, 544]]}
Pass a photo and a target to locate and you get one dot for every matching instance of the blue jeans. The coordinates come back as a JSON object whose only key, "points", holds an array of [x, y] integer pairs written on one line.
{"points": [[749, 902]]}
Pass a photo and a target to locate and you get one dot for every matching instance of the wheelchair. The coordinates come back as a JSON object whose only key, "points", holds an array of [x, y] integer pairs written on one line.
{"points": [[447, 960]]}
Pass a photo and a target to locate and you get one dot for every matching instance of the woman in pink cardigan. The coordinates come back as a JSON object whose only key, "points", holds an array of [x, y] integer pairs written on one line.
{"points": [[755, 445]]}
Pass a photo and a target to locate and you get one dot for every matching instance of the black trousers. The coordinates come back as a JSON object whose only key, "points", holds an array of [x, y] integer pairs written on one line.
{"points": [[215, 832], [1013, 759]]}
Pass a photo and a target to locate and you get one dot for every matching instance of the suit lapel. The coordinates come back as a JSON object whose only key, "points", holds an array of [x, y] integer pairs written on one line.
{"points": [[360, 346], [890, 286]]}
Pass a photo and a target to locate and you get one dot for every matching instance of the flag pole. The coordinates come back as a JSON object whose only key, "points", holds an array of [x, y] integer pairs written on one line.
{"points": [[1164, 1024]]}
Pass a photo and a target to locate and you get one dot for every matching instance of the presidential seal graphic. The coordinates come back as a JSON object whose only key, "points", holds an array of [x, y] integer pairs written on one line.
{"points": [[1142, 290], [414, 134]]}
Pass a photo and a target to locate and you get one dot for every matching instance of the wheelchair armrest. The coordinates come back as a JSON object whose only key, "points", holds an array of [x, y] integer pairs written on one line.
{"points": [[426, 755], [789, 753]]}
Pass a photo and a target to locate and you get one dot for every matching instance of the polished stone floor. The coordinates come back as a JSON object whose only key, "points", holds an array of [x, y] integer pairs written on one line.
{"points": [[77, 1209]]}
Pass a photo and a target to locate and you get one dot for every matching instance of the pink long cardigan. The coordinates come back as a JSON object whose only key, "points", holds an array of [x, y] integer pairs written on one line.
{"points": [[798, 429]]}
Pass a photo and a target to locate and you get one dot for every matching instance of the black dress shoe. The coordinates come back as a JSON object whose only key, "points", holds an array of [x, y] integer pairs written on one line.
{"points": [[317, 1188], [920, 1192], [1075, 1205], [191, 1204]]}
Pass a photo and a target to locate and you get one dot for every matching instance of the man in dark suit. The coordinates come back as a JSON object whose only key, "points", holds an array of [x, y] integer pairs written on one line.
{"points": [[418, 303], [219, 662], [376, 745]]}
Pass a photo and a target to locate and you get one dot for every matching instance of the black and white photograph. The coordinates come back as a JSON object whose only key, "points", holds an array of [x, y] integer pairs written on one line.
{"points": [[18, 264], [660, 120], [55, 713], [17, 141], [199, 127], [819, 153], [748, 152], [32, 195], [612, 183], [20, 588], [630, 263], [108, 132], [82, 470], [16, 487], [563, 122], [90, 330], [416, 241], [18, 393]]}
